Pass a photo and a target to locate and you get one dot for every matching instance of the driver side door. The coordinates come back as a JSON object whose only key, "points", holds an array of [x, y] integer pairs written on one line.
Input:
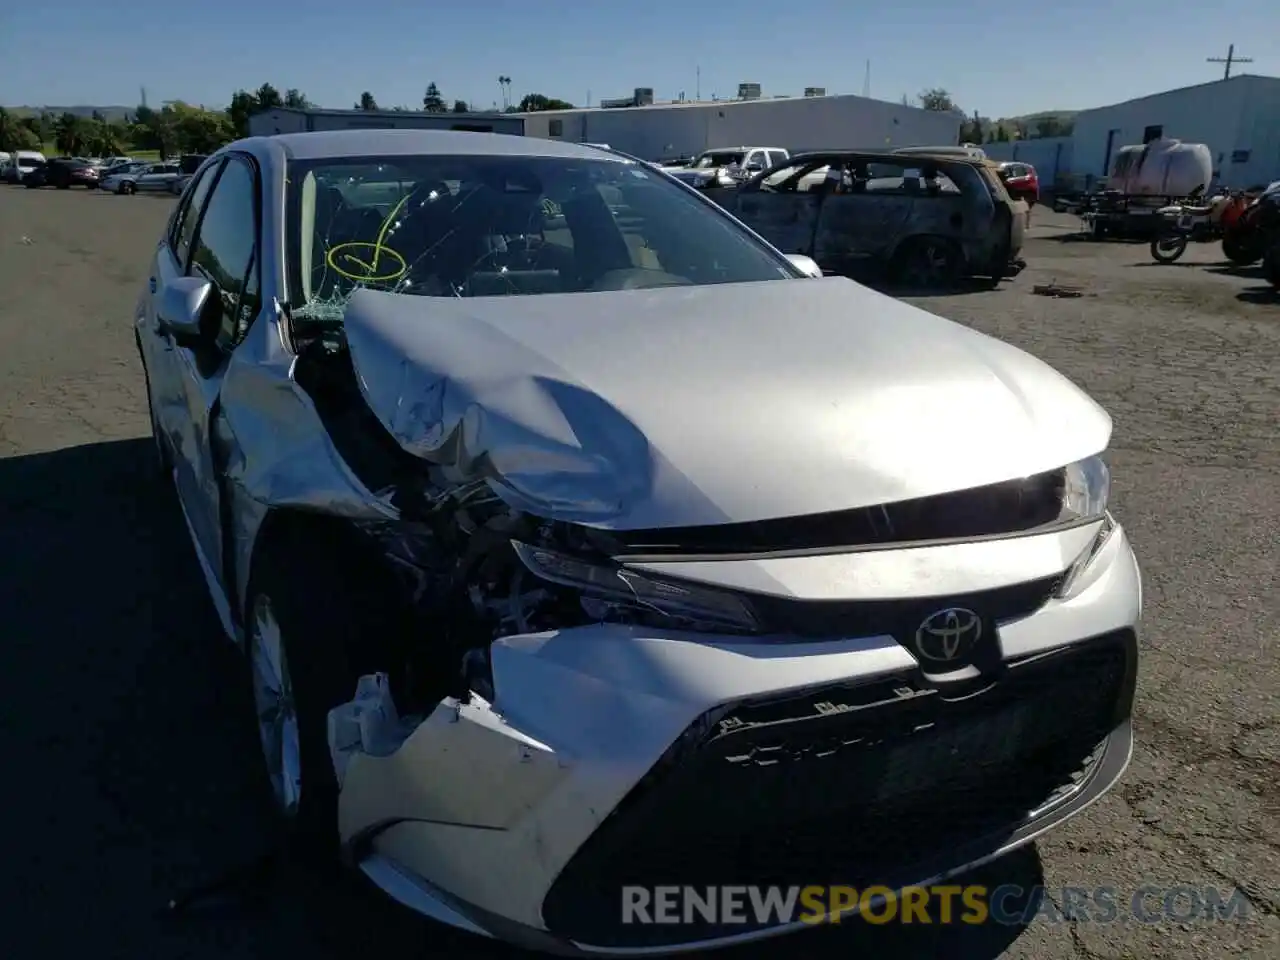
{"points": [[218, 242]]}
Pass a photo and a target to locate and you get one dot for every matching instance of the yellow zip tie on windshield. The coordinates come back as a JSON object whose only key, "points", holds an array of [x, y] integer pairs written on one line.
{"points": [[355, 252]]}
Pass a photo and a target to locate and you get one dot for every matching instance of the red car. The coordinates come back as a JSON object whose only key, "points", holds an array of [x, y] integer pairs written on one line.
{"points": [[1021, 180]]}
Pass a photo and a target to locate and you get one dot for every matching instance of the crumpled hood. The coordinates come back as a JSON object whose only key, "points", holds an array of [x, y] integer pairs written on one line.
{"points": [[712, 404]]}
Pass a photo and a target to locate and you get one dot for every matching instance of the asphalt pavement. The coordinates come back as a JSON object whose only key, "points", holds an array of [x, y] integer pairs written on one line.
{"points": [[126, 731]]}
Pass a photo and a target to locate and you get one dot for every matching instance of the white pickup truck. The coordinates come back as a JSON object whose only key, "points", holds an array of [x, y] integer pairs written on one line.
{"points": [[728, 166]]}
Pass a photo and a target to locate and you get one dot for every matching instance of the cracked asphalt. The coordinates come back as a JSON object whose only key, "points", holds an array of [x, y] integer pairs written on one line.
{"points": [[126, 733]]}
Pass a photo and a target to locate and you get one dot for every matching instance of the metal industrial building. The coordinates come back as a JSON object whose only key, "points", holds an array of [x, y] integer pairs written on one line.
{"points": [[291, 120], [1238, 118], [660, 130]]}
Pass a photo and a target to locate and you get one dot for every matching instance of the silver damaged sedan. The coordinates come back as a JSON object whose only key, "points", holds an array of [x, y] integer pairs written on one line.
{"points": [[580, 542]]}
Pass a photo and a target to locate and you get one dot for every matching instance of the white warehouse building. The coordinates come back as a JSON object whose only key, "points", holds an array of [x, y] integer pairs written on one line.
{"points": [[1238, 118], [663, 130]]}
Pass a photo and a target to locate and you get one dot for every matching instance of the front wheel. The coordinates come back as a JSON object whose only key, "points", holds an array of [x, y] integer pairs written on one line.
{"points": [[319, 616], [1168, 249], [128, 188]]}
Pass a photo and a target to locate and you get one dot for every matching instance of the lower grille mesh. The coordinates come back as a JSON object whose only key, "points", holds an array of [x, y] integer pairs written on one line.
{"points": [[860, 785]]}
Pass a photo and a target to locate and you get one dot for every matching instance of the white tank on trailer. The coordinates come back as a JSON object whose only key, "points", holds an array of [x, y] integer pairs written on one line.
{"points": [[1161, 168]]}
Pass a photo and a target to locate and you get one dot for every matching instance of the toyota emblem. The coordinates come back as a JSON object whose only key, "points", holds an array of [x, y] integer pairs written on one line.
{"points": [[948, 635]]}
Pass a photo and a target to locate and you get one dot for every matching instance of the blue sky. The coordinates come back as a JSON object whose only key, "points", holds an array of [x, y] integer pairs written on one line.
{"points": [[995, 57]]}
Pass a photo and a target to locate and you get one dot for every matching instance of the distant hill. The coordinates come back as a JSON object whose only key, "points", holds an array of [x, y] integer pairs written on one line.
{"points": [[110, 113], [1062, 116]]}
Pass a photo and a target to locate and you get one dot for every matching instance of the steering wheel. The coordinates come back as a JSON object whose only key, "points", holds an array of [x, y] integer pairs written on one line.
{"points": [[636, 278]]}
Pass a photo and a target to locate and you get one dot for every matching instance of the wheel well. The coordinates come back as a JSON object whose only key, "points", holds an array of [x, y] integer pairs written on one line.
{"points": [[283, 529], [906, 243]]}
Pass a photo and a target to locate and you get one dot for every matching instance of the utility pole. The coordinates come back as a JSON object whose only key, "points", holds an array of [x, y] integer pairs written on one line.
{"points": [[866, 81], [697, 93], [1229, 59]]}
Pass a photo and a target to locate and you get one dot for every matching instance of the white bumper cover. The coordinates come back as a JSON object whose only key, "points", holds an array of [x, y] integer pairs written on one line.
{"points": [[474, 816]]}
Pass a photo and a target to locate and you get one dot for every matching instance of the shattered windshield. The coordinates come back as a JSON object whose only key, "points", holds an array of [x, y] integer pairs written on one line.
{"points": [[719, 158], [459, 226]]}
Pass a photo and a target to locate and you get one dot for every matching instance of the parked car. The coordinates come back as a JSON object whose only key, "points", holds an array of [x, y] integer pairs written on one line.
{"points": [[727, 167], [21, 163], [922, 221], [63, 173], [1021, 181], [187, 167], [565, 548], [150, 178], [111, 179]]}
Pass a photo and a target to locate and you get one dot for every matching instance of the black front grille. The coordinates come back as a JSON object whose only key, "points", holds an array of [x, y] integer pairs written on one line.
{"points": [[850, 784], [824, 619], [999, 509]]}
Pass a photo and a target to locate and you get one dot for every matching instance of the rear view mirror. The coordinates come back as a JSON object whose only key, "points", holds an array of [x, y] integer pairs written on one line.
{"points": [[805, 265], [184, 305]]}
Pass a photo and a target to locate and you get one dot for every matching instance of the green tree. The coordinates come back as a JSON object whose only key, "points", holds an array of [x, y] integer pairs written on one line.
{"points": [[938, 100], [460, 106], [432, 102], [243, 106], [533, 102], [267, 97], [196, 130], [68, 135], [367, 102], [293, 97], [15, 134]]}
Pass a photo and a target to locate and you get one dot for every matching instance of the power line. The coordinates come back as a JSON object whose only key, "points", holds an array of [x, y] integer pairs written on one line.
{"points": [[1229, 59]]}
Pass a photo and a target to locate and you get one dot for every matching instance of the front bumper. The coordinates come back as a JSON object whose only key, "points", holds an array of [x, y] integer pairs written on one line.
{"points": [[613, 756]]}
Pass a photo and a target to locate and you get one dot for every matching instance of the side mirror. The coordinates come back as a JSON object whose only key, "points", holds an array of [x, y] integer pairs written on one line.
{"points": [[185, 304], [805, 265]]}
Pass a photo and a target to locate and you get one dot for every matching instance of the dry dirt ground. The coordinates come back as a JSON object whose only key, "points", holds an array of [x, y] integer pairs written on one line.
{"points": [[125, 734]]}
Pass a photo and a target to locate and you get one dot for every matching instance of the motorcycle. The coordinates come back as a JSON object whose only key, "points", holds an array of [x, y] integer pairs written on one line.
{"points": [[1245, 240], [1185, 223]]}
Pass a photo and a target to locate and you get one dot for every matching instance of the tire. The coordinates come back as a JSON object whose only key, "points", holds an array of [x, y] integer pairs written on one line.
{"points": [[1239, 250], [927, 263], [128, 188], [319, 615], [63, 184], [1168, 249], [1271, 265]]}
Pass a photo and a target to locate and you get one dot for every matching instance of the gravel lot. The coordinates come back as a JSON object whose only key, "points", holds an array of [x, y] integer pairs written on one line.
{"points": [[125, 729]]}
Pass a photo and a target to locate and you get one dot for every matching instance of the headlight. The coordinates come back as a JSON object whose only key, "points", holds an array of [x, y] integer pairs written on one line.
{"points": [[1086, 490], [603, 586]]}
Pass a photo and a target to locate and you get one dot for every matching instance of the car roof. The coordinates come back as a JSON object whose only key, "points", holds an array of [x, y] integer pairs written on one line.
{"points": [[333, 144], [899, 159]]}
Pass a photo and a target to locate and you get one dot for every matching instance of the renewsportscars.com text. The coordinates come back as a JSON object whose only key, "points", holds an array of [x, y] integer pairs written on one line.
{"points": [[941, 904]]}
